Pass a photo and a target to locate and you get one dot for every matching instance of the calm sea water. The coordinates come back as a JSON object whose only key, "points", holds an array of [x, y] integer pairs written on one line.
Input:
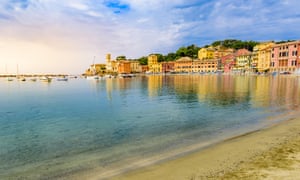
{"points": [[58, 129]]}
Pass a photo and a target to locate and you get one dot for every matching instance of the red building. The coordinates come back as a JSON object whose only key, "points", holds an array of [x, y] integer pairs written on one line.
{"points": [[168, 67]]}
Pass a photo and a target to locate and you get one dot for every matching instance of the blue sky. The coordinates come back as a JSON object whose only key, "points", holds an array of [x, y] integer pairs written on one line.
{"points": [[64, 35]]}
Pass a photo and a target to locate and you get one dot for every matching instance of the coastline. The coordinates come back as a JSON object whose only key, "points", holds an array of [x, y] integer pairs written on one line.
{"points": [[253, 155]]}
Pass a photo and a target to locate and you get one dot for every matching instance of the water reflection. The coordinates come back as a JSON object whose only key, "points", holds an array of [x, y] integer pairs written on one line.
{"points": [[259, 91]]}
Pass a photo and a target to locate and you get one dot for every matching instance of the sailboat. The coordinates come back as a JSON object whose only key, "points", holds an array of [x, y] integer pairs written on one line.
{"points": [[21, 78], [93, 70], [8, 77]]}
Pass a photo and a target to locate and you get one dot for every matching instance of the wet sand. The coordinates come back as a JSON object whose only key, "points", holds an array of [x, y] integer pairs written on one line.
{"points": [[271, 153]]}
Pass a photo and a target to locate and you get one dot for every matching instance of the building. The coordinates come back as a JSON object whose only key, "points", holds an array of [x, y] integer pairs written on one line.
{"points": [[183, 65], [208, 65], [135, 67], [96, 69], [153, 65], [124, 67], [109, 68], [168, 67], [228, 63], [285, 57], [206, 53], [144, 68], [242, 60], [221, 51], [261, 57]]}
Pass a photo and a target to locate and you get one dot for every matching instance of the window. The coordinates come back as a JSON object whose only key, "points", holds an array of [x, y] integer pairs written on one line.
{"points": [[272, 55]]}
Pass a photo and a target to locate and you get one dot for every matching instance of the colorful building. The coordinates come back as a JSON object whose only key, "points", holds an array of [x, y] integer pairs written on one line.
{"points": [[261, 57], [168, 67], [135, 67], [206, 53], [154, 66], [228, 63], [285, 57], [242, 60], [124, 67], [96, 69], [221, 51], [183, 65]]}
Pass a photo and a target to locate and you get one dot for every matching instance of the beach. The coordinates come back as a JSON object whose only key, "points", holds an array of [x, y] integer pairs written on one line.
{"points": [[269, 153]]}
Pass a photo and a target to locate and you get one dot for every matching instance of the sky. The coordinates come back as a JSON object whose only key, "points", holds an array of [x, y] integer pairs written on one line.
{"points": [[66, 36]]}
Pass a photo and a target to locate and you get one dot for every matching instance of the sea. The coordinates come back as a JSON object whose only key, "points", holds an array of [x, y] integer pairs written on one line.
{"points": [[101, 128]]}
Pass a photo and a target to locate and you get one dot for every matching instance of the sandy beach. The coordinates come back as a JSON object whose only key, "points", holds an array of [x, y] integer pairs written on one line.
{"points": [[270, 153]]}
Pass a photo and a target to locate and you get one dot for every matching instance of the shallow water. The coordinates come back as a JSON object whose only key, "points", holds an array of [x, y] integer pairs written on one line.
{"points": [[51, 130]]}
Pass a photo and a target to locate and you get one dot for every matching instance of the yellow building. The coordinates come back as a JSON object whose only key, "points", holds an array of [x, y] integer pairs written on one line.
{"points": [[152, 59], [154, 66], [221, 51], [96, 69], [261, 58], [109, 68], [243, 57], [206, 53], [135, 67]]}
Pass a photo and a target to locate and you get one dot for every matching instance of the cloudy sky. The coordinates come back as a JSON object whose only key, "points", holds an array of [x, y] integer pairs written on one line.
{"points": [[65, 36]]}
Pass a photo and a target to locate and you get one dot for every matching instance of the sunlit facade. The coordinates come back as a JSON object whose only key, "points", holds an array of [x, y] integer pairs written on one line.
{"points": [[206, 53], [184, 65], [261, 58], [285, 57]]}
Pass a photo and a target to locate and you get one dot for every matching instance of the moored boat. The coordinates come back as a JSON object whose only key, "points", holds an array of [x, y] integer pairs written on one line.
{"points": [[45, 79]]}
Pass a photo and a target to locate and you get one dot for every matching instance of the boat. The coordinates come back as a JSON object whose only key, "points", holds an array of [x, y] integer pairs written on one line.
{"points": [[33, 79], [45, 79], [63, 78], [93, 74], [108, 76], [92, 77], [10, 79], [126, 75], [22, 78]]}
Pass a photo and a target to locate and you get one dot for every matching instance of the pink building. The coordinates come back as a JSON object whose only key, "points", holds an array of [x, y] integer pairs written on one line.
{"points": [[285, 57], [228, 62]]}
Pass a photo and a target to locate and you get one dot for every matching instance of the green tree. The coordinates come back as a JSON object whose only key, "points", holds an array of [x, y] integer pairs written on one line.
{"points": [[143, 60], [121, 58], [160, 57], [170, 57]]}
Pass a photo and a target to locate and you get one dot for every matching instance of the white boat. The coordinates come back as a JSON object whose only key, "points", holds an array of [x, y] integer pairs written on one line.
{"points": [[92, 77], [10, 79], [45, 79], [108, 76]]}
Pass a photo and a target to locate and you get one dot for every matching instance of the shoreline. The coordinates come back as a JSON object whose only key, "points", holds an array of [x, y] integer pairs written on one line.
{"points": [[235, 157]]}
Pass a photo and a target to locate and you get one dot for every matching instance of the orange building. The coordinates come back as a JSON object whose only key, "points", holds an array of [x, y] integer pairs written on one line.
{"points": [[183, 64], [124, 67]]}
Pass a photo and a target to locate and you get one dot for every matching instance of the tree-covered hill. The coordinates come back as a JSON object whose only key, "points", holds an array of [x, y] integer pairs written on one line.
{"points": [[192, 50]]}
